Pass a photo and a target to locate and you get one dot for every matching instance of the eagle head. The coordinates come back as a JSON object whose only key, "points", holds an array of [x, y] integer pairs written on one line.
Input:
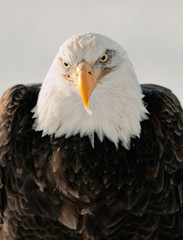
{"points": [[91, 87]]}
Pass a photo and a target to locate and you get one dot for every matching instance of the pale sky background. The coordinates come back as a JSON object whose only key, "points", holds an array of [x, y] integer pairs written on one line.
{"points": [[151, 31]]}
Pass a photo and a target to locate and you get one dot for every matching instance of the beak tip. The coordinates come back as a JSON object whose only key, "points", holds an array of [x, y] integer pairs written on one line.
{"points": [[88, 110]]}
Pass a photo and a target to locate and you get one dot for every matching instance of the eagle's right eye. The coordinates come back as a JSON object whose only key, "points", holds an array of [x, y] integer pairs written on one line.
{"points": [[66, 65]]}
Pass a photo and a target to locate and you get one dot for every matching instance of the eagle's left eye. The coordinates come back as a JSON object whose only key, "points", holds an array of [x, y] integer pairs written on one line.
{"points": [[104, 58]]}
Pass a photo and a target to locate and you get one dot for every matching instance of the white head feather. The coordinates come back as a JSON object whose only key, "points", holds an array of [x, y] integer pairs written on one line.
{"points": [[116, 102]]}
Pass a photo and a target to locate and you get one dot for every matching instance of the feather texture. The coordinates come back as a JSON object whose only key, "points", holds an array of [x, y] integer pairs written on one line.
{"points": [[63, 188]]}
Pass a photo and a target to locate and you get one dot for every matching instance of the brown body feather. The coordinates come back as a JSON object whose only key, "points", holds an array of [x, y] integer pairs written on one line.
{"points": [[66, 189]]}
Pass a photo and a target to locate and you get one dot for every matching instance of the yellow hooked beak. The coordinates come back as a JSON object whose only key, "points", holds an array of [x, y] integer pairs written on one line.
{"points": [[86, 81]]}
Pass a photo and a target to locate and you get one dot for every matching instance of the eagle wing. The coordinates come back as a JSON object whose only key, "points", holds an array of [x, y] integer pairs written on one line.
{"points": [[15, 103], [166, 116], [9, 104], [166, 119], [164, 172]]}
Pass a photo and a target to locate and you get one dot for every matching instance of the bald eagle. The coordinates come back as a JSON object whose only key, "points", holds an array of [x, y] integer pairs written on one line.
{"points": [[91, 154]]}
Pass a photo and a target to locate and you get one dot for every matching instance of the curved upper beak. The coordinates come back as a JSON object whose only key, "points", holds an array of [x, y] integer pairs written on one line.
{"points": [[85, 82]]}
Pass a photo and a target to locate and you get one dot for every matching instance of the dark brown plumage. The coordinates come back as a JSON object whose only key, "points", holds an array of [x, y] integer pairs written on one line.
{"points": [[66, 189]]}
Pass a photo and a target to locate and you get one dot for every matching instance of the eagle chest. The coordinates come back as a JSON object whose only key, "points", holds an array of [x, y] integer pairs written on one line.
{"points": [[94, 176]]}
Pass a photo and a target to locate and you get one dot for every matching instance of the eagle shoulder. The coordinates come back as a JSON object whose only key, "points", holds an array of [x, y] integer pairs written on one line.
{"points": [[16, 102], [166, 118]]}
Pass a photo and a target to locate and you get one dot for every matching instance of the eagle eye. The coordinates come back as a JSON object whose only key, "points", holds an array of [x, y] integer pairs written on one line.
{"points": [[104, 58], [66, 65]]}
